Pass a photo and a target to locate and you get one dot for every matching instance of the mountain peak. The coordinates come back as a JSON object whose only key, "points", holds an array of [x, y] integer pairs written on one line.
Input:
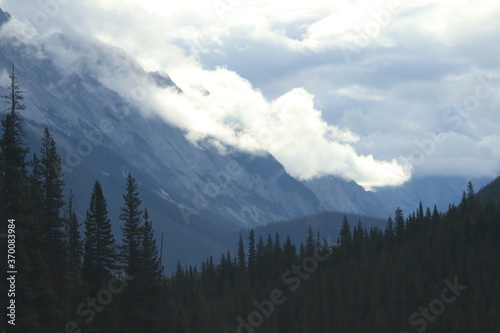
{"points": [[163, 80], [4, 17]]}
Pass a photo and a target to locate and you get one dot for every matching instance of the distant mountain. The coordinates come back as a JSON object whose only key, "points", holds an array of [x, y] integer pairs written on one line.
{"points": [[439, 191]]}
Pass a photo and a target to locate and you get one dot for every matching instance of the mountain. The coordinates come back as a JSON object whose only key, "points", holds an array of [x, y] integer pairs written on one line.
{"points": [[196, 195], [334, 192], [439, 191], [490, 192], [4, 17]]}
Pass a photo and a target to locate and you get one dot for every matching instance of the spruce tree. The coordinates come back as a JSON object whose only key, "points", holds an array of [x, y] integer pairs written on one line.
{"points": [[74, 284], [345, 233], [471, 197], [99, 255], [252, 257], [131, 228], [13, 195], [52, 202], [241, 255], [12, 155], [74, 240], [310, 243], [400, 225], [38, 307], [150, 277]]}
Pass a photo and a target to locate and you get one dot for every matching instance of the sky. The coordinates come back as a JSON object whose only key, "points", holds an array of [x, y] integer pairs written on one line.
{"points": [[373, 91]]}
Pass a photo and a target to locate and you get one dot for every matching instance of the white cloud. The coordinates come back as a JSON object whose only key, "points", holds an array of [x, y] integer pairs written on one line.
{"points": [[289, 127], [426, 58]]}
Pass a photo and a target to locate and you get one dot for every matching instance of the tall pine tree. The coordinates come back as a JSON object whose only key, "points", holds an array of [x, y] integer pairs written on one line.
{"points": [[13, 183], [130, 254], [12, 155], [131, 228], [151, 278], [72, 231], [52, 203], [99, 255]]}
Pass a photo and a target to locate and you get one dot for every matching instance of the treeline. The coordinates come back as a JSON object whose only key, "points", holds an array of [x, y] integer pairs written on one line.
{"points": [[425, 272], [66, 282]]}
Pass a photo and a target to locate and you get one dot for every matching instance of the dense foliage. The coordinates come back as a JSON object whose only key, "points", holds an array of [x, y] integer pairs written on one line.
{"points": [[66, 283], [427, 271]]}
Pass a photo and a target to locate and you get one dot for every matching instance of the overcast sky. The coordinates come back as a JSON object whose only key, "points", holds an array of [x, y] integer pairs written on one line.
{"points": [[375, 91]]}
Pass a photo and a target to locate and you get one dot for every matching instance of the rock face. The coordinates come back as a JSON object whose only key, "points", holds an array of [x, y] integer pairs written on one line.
{"points": [[336, 194]]}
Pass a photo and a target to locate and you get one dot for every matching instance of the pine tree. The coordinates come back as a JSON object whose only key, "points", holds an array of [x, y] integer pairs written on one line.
{"points": [[310, 243], [277, 252], [74, 241], [52, 202], [99, 255], [252, 257], [151, 277], [471, 197], [400, 225], [241, 255], [13, 200], [345, 233], [12, 155], [21, 199], [75, 289], [289, 252], [131, 228]]}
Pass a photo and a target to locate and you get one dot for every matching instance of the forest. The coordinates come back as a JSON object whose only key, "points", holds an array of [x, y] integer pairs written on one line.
{"points": [[425, 271]]}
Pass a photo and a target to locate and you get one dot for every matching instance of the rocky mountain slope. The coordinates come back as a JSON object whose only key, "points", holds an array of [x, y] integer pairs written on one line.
{"points": [[196, 194]]}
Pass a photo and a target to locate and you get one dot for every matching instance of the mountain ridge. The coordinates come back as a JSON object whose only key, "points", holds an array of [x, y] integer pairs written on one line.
{"points": [[195, 194]]}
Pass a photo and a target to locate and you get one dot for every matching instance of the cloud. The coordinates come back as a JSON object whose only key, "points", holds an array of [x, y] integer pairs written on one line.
{"points": [[290, 128], [361, 115]]}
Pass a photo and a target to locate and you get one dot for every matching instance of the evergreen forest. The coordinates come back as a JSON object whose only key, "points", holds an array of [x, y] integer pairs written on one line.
{"points": [[424, 271]]}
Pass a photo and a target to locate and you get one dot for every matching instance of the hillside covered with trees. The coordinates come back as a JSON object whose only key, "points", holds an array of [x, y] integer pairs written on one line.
{"points": [[425, 271]]}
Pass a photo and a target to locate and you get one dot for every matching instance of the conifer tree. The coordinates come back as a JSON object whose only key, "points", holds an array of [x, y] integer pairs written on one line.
{"points": [[74, 240], [20, 199], [99, 255], [400, 225], [345, 233], [289, 252], [74, 290], [471, 197], [310, 243], [131, 228], [151, 277], [252, 257], [13, 195], [241, 255], [12, 155], [277, 252], [389, 232], [52, 202]]}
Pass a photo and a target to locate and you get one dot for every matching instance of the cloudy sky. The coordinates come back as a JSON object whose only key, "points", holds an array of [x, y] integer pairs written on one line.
{"points": [[375, 91]]}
